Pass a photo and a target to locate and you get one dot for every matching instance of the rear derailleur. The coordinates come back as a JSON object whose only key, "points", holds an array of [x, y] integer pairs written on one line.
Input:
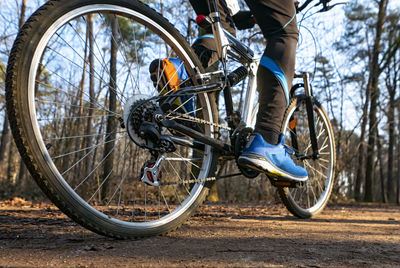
{"points": [[142, 120]]}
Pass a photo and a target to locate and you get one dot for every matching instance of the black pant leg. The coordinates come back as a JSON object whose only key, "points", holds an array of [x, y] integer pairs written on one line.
{"points": [[277, 21]]}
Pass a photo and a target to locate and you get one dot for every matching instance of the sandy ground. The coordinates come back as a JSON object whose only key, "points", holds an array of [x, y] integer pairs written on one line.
{"points": [[222, 235]]}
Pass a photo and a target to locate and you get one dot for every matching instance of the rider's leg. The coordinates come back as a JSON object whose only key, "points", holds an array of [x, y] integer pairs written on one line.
{"points": [[205, 46], [265, 150], [278, 23]]}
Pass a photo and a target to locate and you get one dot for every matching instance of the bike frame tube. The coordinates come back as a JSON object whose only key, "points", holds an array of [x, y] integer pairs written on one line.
{"points": [[249, 101], [218, 31]]}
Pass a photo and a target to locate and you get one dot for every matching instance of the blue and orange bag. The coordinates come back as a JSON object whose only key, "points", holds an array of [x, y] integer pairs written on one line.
{"points": [[168, 75]]}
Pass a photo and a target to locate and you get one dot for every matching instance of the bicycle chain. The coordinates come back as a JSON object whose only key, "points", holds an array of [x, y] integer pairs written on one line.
{"points": [[198, 120], [188, 181], [176, 115]]}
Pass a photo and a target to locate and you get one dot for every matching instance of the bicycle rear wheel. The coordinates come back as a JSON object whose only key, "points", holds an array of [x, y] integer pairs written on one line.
{"points": [[73, 67], [311, 198]]}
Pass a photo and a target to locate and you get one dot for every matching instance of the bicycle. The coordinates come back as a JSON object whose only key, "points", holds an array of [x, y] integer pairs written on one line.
{"points": [[117, 157]]}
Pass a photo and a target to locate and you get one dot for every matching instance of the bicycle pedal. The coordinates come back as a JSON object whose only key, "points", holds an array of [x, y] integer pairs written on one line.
{"points": [[285, 183]]}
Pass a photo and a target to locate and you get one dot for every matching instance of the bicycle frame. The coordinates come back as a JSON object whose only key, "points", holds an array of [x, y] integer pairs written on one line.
{"points": [[226, 45]]}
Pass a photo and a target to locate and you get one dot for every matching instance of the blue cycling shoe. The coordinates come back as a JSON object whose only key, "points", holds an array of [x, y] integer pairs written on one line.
{"points": [[273, 160]]}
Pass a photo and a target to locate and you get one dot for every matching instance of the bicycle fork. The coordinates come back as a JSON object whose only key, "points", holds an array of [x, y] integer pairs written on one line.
{"points": [[309, 98]]}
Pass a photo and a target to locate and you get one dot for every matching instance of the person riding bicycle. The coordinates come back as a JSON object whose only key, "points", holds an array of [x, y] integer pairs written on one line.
{"points": [[265, 151]]}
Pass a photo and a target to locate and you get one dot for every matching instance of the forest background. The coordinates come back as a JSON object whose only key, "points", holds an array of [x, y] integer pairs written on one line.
{"points": [[353, 53]]}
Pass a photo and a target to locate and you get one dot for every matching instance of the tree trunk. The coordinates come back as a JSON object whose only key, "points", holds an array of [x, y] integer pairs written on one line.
{"points": [[189, 30], [381, 173], [21, 174], [390, 180], [111, 120], [373, 87], [392, 77], [92, 96], [75, 128], [22, 15], [11, 165], [5, 139], [5, 133], [22, 169], [398, 155], [360, 173]]}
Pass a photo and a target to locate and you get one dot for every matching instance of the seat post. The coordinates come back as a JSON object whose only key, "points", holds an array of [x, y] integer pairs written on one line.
{"points": [[218, 31]]}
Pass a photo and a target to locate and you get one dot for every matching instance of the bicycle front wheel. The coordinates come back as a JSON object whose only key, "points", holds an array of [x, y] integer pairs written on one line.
{"points": [[311, 198], [73, 68]]}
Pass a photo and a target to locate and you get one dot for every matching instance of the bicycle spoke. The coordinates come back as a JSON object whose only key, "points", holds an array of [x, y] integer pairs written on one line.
{"points": [[99, 164], [74, 95], [177, 108], [159, 76], [81, 136], [94, 54], [187, 166], [108, 175], [165, 201], [70, 117], [179, 177], [325, 167], [95, 73], [316, 171], [76, 106], [83, 149]]}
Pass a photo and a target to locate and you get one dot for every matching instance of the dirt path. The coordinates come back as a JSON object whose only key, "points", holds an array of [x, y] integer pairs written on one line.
{"points": [[218, 236]]}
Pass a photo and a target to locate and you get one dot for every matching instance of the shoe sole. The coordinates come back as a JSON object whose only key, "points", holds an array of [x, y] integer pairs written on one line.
{"points": [[261, 164]]}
